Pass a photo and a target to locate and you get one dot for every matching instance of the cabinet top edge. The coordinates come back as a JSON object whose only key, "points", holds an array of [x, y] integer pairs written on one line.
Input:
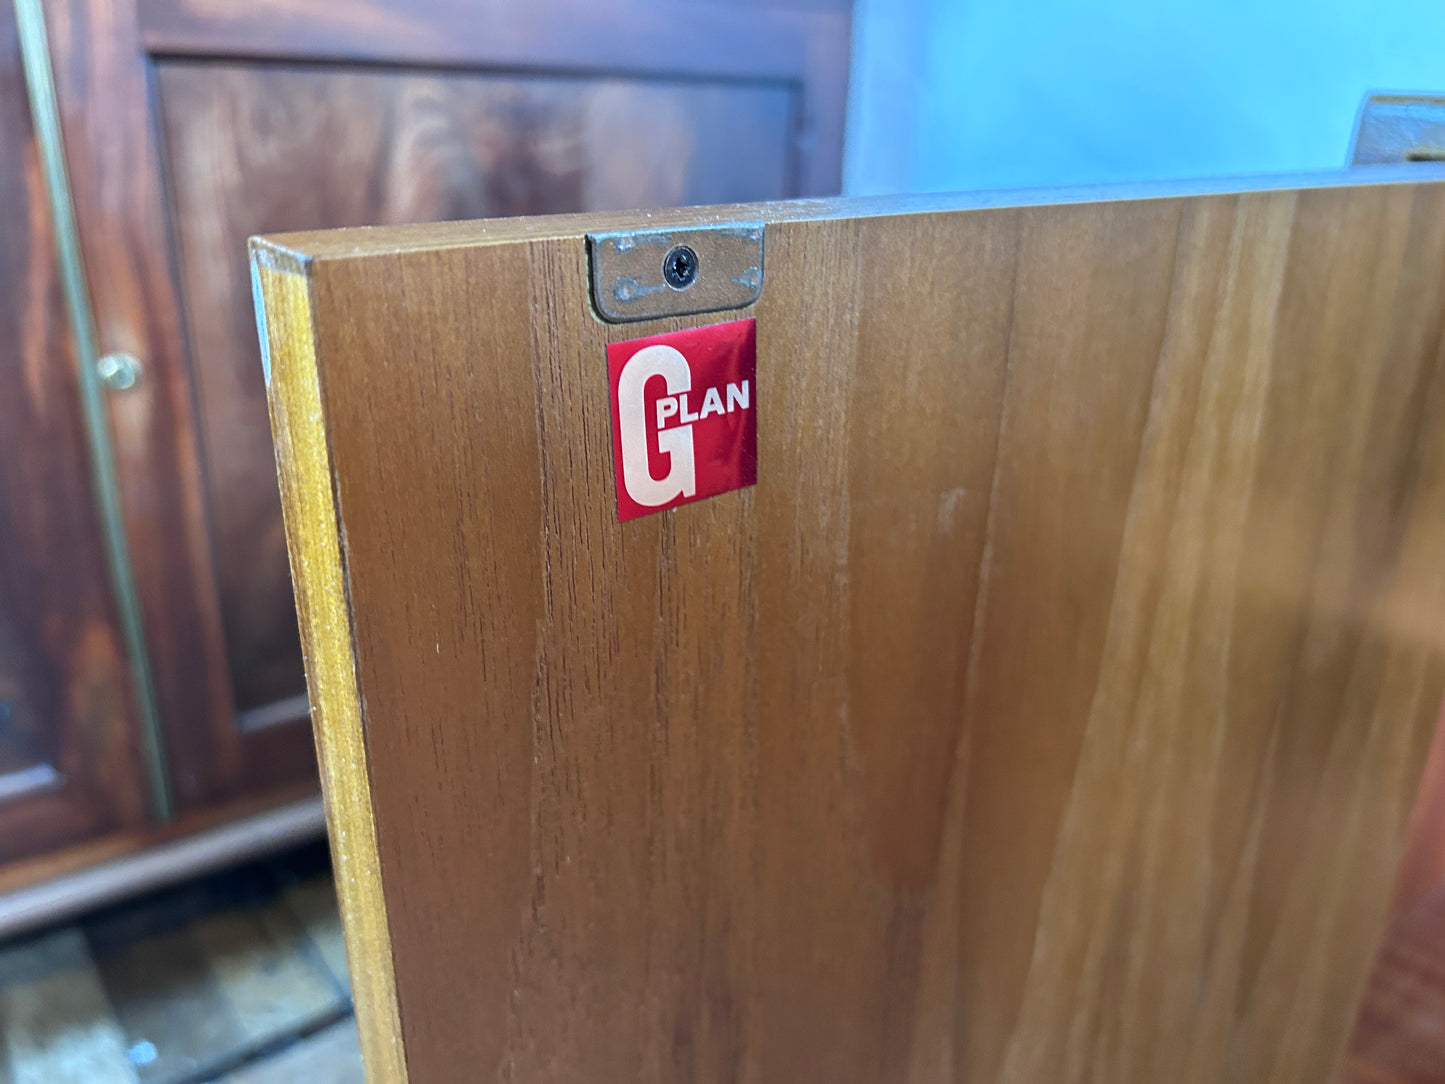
{"points": [[296, 251]]}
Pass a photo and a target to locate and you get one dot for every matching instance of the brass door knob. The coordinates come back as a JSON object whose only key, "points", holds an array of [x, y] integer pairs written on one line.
{"points": [[119, 370]]}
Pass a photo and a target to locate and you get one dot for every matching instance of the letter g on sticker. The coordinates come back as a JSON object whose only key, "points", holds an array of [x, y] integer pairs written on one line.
{"points": [[684, 418], [681, 477]]}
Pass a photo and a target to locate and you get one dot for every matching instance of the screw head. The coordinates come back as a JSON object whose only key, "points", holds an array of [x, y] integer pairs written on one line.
{"points": [[679, 267], [119, 370]]}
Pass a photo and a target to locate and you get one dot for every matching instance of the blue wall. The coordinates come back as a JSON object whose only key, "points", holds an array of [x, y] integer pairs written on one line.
{"points": [[993, 94]]}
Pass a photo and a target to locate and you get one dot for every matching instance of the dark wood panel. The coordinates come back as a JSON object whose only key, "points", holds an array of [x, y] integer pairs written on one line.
{"points": [[1049, 710], [68, 881], [69, 757], [115, 172], [612, 37], [241, 144]]}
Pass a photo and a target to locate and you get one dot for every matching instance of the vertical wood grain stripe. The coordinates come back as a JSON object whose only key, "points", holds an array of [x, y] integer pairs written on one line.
{"points": [[304, 469]]}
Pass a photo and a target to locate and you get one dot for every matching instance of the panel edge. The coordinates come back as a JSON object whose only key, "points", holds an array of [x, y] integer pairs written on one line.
{"points": [[303, 466], [303, 247]]}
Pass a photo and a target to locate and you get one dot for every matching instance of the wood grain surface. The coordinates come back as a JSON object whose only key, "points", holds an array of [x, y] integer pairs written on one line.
{"points": [[802, 42], [401, 147], [303, 462], [189, 125], [70, 764], [103, 88], [1050, 710]]}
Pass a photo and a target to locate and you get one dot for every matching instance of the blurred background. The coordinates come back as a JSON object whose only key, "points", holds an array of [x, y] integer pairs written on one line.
{"points": [[165, 902], [959, 94]]}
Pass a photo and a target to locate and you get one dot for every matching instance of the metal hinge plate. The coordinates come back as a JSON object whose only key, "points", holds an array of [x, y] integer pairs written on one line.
{"points": [[646, 274]]}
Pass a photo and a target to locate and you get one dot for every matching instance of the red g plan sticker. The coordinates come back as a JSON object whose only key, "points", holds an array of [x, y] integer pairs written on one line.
{"points": [[684, 416]]}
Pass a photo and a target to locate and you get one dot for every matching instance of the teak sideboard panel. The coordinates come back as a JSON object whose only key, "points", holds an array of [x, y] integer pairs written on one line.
{"points": [[1050, 710]]}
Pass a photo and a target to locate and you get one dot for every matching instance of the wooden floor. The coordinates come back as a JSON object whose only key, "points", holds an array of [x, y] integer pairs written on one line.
{"points": [[239, 978]]}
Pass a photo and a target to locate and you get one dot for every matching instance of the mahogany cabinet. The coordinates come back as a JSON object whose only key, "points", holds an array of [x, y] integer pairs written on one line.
{"points": [[188, 126], [70, 765]]}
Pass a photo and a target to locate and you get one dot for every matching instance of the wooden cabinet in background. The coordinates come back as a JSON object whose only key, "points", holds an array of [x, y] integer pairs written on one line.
{"points": [[188, 126], [70, 765]]}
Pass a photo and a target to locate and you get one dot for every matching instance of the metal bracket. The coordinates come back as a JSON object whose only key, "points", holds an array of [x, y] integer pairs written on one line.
{"points": [[646, 274]]}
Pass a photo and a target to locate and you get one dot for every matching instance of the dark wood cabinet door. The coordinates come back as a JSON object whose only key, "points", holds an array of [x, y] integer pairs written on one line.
{"points": [[188, 131], [70, 765]]}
